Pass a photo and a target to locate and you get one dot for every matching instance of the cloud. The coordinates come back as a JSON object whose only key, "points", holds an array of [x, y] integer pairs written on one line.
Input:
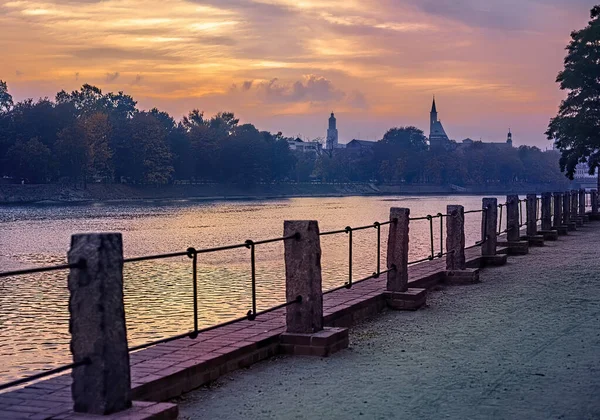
{"points": [[357, 100], [19, 73], [138, 80], [311, 88], [111, 77]]}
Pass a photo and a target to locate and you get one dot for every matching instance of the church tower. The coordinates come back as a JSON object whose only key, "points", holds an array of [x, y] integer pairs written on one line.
{"points": [[509, 138], [437, 135], [332, 134], [433, 117]]}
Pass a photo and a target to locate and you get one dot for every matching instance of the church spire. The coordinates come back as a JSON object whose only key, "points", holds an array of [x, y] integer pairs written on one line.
{"points": [[433, 109]]}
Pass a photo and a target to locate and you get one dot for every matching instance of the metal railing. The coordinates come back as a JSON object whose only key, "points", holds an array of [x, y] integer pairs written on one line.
{"points": [[348, 230], [252, 314]]}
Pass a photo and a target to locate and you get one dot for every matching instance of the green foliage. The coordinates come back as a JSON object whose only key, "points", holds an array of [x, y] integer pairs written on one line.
{"points": [[576, 128]]}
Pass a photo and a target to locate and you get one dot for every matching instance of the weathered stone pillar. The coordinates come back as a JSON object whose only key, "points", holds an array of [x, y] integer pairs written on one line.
{"points": [[305, 334], [567, 211], [594, 199], [531, 205], [574, 206], [489, 233], [455, 238], [97, 325], [547, 232], [582, 203], [398, 294], [512, 218], [456, 267], [558, 203], [489, 226], [546, 211], [513, 234], [397, 252], [303, 276]]}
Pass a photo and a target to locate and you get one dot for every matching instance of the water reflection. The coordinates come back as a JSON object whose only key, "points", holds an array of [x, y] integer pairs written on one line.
{"points": [[158, 294]]}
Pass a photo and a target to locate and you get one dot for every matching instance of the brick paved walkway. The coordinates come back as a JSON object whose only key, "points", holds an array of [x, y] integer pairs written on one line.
{"points": [[167, 370]]}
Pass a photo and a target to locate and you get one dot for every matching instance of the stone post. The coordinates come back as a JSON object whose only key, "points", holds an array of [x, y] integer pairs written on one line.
{"points": [[398, 294], [512, 218], [303, 276], [489, 226], [574, 206], [582, 203], [97, 325], [567, 210], [455, 238], [594, 199], [531, 205], [397, 252], [546, 211], [305, 334], [558, 219], [456, 267]]}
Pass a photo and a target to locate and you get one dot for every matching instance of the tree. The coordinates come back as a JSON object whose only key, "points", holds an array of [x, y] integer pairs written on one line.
{"points": [[6, 100], [30, 161], [152, 163], [576, 128]]}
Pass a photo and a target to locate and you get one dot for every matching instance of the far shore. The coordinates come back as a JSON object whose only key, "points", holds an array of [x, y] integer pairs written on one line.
{"points": [[61, 194]]}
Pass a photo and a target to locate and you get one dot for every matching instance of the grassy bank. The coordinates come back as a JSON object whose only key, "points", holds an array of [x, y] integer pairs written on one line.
{"points": [[105, 192]]}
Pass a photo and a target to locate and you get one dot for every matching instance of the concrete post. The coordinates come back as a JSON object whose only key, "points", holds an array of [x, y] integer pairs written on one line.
{"points": [[567, 207], [594, 199], [455, 238], [558, 219], [531, 205], [303, 276], [546, 211], [397, 252], [512, 218], [97, 325], [456, 267], [582, 203], [574, 205], [305, 334], [489, 226], [398, 294]]}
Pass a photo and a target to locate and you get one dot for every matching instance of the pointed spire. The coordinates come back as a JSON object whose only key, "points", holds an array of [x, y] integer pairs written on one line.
{"points": [[433, 109]]}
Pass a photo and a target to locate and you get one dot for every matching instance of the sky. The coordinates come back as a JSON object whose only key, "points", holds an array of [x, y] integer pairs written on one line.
{"points": [[285, 65]]}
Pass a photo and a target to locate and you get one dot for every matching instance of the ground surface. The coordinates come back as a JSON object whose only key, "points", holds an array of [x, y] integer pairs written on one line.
{"points": [[523, 344]]}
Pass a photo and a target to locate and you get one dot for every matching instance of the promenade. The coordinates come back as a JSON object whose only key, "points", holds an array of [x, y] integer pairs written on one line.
{"points": [[522, 344]]}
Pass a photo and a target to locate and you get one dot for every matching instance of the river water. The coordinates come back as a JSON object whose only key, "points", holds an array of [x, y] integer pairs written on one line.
{"points": [[158, 294]]}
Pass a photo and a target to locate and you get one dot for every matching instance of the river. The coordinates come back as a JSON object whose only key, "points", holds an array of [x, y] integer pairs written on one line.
{"points": [[158, 294]]}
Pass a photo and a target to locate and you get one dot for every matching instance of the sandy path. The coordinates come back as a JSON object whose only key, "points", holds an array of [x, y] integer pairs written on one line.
{"points": [[523, 344]]}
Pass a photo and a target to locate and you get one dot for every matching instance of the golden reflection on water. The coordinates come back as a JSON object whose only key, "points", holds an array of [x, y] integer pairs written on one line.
{"points": [[158, 293]]}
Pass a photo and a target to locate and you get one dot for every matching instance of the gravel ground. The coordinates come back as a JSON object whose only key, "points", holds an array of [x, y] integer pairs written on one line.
{"points": [[523, 344]]}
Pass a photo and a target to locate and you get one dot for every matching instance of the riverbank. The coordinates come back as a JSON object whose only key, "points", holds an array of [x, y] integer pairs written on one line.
{"points": [[51, 193], [521, 344]]}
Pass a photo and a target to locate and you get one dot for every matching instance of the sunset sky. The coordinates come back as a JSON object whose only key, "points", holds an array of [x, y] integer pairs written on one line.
{"points": [[284, 65]]}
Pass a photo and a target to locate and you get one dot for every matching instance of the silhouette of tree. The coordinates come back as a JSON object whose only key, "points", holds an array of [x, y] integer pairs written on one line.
{"points": [[30, 161], [576, 128], [6, 100]]}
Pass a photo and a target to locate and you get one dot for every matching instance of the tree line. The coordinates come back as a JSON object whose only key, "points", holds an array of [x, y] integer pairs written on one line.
{"points": [[90, 136]]}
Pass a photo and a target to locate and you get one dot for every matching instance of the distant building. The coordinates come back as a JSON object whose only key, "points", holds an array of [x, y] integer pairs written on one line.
{"points": [[332, 134], [582, 178], [298, 145], [470, 142], [438, 139], [360, 145]]}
